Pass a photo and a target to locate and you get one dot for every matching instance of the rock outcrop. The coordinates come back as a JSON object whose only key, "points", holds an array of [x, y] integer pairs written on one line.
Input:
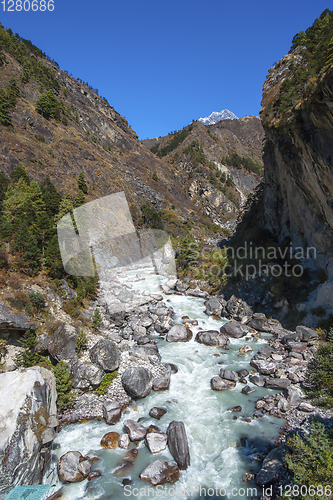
{"points": [[27, 421]]}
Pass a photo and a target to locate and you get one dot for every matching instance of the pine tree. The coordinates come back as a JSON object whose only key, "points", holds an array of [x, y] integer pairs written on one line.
{"points": [[51, 197], [20, 173], [82, 183], [63, 385], [66, 206], [97, 319], [13, 92], [5, 117], [79, 200]]}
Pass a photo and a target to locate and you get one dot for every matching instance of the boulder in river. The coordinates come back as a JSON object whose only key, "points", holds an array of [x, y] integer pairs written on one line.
{"points": [[137, 381], [219, 384], [160, 472], [162, 382], [135, 430], [157, 412], [110, 440], [73, 467], [111, 412], [156, 441], [213, 307], [238, 308], [178, 444], [212, 337], [163, 324], [179, 333], [257, 380], [229, 375], [106, 355], [235, 329]]}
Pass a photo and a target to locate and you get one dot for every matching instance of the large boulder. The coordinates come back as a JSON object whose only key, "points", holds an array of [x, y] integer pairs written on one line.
{"points": [[163, 324], [62, 343], [235, 329], [219, 384], [135, 430], [213, 307], [238, 308], [86, 376], [157, 412], [106, 355], [306, 333], [179, 333], [229, 375], [212, 337], [277, 383], [271, 466], [111, 412], [162, 382], [73, 467], [27, 410], [137, 381], [178, 445], [110, 440], [160, 472], [13, 322], [263, 366]]}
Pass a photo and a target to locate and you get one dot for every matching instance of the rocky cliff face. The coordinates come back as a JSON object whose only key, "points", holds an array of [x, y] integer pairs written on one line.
{"points": [[298, 194], [28, 417]]}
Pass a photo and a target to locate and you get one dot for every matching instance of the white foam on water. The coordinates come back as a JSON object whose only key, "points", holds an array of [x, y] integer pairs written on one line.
{"points": [[217, 458]]}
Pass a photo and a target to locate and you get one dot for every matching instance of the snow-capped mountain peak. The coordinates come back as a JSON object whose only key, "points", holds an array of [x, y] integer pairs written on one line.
{"points": [[216, 116]]}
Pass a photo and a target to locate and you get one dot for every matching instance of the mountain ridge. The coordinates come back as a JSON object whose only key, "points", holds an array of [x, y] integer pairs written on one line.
{"points": [[217, 116]]}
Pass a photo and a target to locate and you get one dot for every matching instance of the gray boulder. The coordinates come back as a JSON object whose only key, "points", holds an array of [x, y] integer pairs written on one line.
{"points": [[157, 412], [213, 307], [306, 333], [212, 337], [257, 380], [163, 324], [160, 472], [219, 384], [137, 381], [277, 383], [229, 375], [73, 467], [156, 441], [111, 412], [135, 430], [271, 466], [178, 444], [294, 395], [238, 308], [106, 355], [179, 333], [162, 382], [62, 343], [28, 402], [13, 321], [247, 389], [235, 329], [264, 367], [86, 375]]}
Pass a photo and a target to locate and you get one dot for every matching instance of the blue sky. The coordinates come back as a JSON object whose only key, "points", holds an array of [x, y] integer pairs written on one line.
{"points": [[163, 63]]}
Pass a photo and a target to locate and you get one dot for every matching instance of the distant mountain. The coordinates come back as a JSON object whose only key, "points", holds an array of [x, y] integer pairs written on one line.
{"points": [[216, 116]]}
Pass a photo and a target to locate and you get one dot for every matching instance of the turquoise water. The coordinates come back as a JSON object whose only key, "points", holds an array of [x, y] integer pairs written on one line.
{"points": [[221, 448]]}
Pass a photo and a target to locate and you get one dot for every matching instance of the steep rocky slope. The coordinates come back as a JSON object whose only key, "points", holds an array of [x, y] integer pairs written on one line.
{"points": [[197, 156], [89, 136], [298, 192]]}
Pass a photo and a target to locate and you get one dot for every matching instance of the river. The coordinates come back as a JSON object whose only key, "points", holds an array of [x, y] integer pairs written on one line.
{"points": [[223, 444]]}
